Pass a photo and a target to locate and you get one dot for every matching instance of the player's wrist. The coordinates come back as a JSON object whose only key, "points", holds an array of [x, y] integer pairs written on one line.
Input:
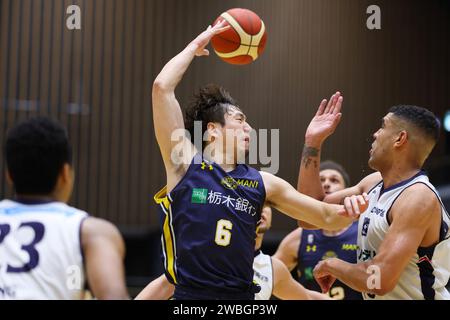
{"points": [[311, 150], [328, 264], [192, 47], [313, 142]]}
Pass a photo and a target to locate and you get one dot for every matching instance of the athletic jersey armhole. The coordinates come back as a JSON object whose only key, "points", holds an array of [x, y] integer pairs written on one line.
{"points": [[390, 207], [196, 160], [162, 194], [373, 188], [438, 197], [263, 187], [442, 234], [392, 204]]}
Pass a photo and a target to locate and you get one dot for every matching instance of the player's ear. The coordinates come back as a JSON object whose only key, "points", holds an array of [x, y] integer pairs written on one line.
{"points": [[213, 130], [402, 138], [65, 182], [67, 173]]}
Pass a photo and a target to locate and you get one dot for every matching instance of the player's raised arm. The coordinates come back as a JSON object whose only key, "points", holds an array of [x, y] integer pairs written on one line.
{"points": [[285, 198], [167, 115], [320, 128]]}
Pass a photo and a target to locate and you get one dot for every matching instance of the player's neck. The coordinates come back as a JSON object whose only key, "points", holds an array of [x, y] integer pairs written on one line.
{"points": [[226, 161], [55, 196], [35, 198], [398, 173]]}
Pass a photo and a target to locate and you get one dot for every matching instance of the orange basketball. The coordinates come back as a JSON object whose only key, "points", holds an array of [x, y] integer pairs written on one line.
{"points": [[244, 42]]}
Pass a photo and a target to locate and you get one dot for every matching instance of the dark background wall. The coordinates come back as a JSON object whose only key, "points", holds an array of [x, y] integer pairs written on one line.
{"points": [[97, 81]]}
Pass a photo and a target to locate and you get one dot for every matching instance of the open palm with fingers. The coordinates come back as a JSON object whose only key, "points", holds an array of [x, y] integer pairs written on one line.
{"points": [[203, 39], [326, 119]]}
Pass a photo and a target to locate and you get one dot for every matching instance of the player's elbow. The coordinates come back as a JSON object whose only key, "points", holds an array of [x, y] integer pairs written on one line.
{"points": [[159, 87], [385, 287], [382, 291]]}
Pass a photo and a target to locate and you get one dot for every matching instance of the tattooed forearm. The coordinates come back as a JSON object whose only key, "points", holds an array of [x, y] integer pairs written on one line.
{"points": [[310, 156]]}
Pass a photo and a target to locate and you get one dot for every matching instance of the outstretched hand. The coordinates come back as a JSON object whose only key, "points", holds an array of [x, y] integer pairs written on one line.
{"points": [[355, 205], [326, 119], [203, 38]]}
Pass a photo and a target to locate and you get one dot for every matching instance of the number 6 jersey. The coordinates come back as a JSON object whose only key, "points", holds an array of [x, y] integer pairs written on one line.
{"points": [[209, 228], [40, 251]]}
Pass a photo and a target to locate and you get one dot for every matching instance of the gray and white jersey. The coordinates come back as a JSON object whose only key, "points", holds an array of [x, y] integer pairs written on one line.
{"points": [[427, 273], [40, 251]]}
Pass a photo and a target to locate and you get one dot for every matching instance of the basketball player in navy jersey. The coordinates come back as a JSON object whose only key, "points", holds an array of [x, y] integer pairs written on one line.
{"points": [[304, 248], [211, 204], [403, 236], [270, 273]]}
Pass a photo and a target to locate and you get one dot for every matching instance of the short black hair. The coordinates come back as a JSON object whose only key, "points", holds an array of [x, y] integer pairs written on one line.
{"points": [[331, 165], [36, 150], [210, 104], [421, 118]]}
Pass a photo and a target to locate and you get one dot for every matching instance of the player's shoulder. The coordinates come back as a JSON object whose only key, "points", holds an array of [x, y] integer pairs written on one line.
{"points": [[271, 182], [93, 226], [369, 182], [99, 233], [417, 199], [418, 194], [294, 235], [55, 208], [291, 243], [266, 175]]}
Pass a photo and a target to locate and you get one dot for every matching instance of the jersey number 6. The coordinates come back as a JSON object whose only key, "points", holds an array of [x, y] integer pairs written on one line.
{"points": [[223, 234]]}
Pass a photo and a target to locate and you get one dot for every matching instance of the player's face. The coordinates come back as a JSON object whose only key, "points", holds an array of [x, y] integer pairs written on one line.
{"points": [[236, 131], [382, 146], [266, 220], [331, 180]]}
